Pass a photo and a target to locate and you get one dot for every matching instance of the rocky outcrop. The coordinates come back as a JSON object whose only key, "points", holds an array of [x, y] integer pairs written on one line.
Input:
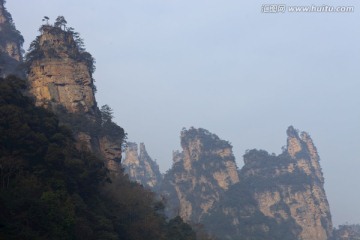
{"points": [[10, 45], [58, 73], [140, 167], [200, 174], [111, 150], [60, 79], [347, 232], [286, 191]]}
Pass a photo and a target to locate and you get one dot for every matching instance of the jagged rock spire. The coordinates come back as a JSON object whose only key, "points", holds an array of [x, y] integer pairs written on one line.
{"points": [[203, 171], [301, 147], [140, 167], [59, 73], [60, 79]]}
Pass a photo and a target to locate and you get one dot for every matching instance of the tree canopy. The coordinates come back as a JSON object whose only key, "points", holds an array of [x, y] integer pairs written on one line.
{"points": [[51, 190], [75, 48]]}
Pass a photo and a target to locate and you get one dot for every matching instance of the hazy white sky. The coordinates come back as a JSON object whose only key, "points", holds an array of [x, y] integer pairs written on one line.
{"points": [[225, 66]]}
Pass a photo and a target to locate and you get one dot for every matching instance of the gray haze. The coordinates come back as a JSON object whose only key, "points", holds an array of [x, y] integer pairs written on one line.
{"points": [[223, 65]]}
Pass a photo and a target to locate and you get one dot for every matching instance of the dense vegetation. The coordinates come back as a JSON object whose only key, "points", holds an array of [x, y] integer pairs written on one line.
{"points": [[51, 190], [102, 126], [74, 44], [246, 221], [251, 223], [208, 139], [270, 164]]}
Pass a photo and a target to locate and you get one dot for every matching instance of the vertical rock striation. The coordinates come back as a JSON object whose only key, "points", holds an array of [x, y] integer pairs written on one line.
{"points": [[60, 79], [140, 167], [308, 207], [282, 196], [59, 75], [200, 174]]}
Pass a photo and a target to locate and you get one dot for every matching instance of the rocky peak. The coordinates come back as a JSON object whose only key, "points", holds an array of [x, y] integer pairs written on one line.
{"points": [[285, 189], [301, 147], [60, 78], [201, 146], [10, 45], [140, 167], [60, 71], [200, 174], [56, 42]]}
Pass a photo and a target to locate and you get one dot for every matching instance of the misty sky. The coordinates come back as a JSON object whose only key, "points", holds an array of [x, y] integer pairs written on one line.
{"points": [[227, 67]]}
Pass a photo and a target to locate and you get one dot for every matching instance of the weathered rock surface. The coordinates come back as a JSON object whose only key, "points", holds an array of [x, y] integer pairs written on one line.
{"points": [[59, 76], [200, 174], [286, 190], [140, 167], [10, 45], [111, 150]]}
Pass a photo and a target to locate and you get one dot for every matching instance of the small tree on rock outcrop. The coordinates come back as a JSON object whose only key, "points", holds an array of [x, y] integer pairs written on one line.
{"points": [[60, 22]]}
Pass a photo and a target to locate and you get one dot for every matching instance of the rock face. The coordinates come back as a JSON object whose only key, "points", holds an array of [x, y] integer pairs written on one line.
{"points": [[60, 78], [200, 174], [285, 190], [60, 74], [10, 45], [111, 150], [140, 167]]}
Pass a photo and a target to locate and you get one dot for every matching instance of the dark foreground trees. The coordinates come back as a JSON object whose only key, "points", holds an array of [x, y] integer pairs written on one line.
{"points": [[51, 190]]}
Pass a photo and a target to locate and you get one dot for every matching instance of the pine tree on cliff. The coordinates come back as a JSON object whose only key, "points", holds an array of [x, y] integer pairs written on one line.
{"points": [[60, 22], [35, 52]]}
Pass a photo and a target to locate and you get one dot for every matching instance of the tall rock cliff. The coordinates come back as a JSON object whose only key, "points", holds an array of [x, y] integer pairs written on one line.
{"points": [[286, 191], [59, 72], [60, 79], [200, 174], [140, 167], [11, 43]]}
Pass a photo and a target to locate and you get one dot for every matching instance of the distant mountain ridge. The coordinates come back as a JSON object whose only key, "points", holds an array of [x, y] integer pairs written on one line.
{"points": [[282, 196], [284, 192]]}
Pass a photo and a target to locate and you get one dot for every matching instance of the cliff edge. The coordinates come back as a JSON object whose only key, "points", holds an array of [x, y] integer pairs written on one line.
{"points": [[60, 78]]}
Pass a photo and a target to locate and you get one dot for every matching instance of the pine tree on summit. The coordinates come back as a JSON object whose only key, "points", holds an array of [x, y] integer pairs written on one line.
{"points": [[60, 22], [46, 18]]}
